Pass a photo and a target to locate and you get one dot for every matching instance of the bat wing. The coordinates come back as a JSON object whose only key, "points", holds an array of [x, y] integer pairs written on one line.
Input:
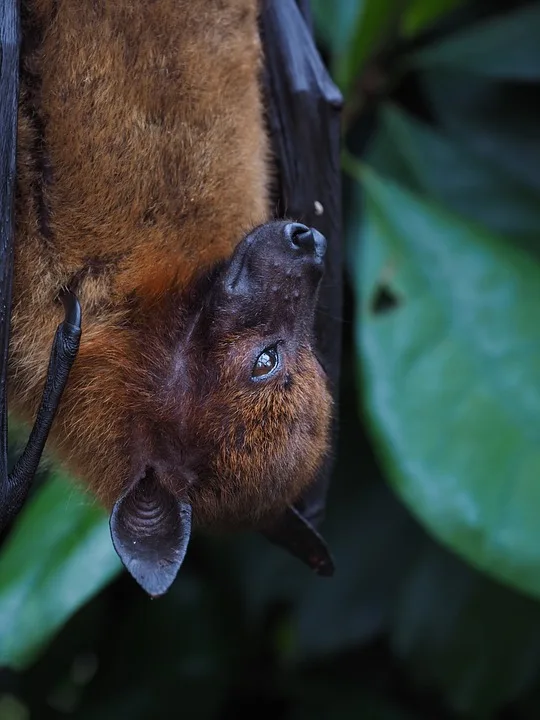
{"points": [[304, 122], [14, 487], [9, 91]]}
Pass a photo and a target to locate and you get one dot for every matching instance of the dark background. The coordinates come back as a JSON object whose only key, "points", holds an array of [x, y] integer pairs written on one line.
{"points": [[405, 629]]}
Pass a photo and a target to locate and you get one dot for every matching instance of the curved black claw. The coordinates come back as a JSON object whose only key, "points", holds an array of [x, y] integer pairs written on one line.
{"points": [[72, 310], [63, 354], [297, 535]]}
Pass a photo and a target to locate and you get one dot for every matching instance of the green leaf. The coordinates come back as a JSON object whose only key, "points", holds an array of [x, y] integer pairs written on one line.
{"points": [[498, 121], [334, 22], [463, 180], [423, 13], [375, 20], [58, 555], [354, 30], [504, 47], [449, 341]]}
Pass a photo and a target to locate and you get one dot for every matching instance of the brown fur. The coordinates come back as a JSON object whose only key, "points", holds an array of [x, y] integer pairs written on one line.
{"points": [[143, 160]]}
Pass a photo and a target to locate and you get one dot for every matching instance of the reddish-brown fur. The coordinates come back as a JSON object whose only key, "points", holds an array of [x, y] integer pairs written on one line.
{"points": [[143, 159]]}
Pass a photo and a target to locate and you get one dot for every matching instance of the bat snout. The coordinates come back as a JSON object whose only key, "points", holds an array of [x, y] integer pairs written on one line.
{"points": [[282, 257]]}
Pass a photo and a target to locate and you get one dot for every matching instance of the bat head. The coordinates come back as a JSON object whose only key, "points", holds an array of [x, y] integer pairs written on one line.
{"points": [[259, 408], [225, 410]]}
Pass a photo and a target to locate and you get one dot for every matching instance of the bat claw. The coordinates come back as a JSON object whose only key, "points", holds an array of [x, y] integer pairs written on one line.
{"points": [[72, 308], [16, 486]]}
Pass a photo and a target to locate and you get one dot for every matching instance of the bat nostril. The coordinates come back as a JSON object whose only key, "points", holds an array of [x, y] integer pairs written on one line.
{"points": [[301, 237], [306, 240]]}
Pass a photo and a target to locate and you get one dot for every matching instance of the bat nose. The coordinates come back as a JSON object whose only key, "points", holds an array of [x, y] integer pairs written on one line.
{"points": [[308, 240]]}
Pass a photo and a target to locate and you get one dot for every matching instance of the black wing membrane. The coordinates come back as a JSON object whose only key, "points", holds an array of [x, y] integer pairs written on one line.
{"points": [[14, 487], [304, 121], [9, 92]]}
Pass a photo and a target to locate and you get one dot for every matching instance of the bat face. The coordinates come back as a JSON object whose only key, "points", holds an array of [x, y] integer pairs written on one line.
{"points": [[226, 406], [259, 408]]}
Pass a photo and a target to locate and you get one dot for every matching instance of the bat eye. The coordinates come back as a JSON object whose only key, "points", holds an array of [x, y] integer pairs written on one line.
{"points": [[266, 363]]}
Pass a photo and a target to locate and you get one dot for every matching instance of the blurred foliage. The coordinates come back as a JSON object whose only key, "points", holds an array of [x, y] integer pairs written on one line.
{"points": [[72, 557], [439, 439]]}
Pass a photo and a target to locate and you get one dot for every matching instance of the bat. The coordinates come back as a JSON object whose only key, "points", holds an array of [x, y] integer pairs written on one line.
{"points": [[170, 204]]}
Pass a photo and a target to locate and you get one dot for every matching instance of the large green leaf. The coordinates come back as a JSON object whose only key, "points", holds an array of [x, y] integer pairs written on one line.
{"points": [[335, 21], [503, 47], [58, 555], [462, 179], [354, 31], [375, 20], [424, 13], [449, 344], [498, 121]]}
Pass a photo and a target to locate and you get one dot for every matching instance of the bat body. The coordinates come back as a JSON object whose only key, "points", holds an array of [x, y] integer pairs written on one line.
{"points": [[146, 185], [142, 160]]}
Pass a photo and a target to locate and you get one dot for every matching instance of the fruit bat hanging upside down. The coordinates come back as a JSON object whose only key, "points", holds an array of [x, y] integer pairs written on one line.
{"points": [[171, 190]]}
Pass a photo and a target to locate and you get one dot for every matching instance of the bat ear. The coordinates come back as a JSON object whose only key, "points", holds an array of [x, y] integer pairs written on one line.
{"points": [[296, 534], [150, 530]]}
